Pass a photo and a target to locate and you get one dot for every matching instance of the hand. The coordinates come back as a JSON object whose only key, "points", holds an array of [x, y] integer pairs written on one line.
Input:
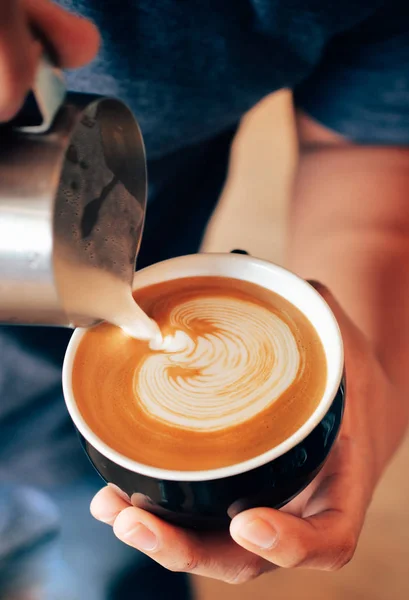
{"points": [[320, 528], [73, 40]]}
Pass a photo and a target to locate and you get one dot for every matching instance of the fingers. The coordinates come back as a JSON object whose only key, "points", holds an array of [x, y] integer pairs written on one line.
{"points": [[346, 324], [107, 505], [177, 549], [326, 535], [322, 535], [211, 555], [326, 541], [73, 40], [19, 55]]}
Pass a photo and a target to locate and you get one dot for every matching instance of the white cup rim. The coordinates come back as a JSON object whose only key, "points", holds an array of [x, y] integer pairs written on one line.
{"points": [[187, 264]]}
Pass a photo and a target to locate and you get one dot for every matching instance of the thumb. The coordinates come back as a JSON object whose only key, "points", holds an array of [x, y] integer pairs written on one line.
{"points": [[330, 299], [73, 39], [350, 332], [325, 541]]}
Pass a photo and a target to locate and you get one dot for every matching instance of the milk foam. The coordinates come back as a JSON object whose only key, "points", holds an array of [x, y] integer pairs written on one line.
{"points": [[227, 360], [178, 342]]}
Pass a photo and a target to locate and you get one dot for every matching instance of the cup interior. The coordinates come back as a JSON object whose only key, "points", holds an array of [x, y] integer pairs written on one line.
{"points": [[270, 276]]}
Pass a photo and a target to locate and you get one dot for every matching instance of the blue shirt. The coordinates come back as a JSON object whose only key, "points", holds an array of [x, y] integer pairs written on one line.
{"points": [[190, 69]]}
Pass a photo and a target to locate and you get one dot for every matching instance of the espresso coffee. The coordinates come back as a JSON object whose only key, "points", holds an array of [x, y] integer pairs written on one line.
{"points": [[240, 370]]}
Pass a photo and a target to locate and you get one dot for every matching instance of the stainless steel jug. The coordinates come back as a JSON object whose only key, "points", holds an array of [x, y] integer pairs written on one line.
{"points": [[72, 205]]}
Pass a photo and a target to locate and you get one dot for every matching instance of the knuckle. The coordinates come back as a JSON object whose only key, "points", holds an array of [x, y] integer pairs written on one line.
{"points": [[299, 556], [345, 552], [188, 564], [12, 95], [16, 78], [245, 573]]}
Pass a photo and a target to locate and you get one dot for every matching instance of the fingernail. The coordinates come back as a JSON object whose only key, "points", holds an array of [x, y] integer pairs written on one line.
{"points": [[108, 519], [259, 533], [104, 517], [141, 537]]}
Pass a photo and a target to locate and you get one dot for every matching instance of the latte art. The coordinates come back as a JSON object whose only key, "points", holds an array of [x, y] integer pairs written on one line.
{"points": [[235, 371], [243, 362]]}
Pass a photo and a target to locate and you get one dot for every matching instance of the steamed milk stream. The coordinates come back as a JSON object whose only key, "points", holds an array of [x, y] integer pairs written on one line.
{"points": [[232, 370]]}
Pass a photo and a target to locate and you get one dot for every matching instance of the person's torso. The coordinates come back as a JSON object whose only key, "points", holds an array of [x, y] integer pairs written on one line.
{"points": [[191, 69]]}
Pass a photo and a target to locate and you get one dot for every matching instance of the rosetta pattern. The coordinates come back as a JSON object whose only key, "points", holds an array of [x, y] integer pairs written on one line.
{"points": [[233, 359]]}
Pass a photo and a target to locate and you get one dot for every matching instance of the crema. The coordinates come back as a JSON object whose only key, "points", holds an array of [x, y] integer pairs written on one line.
{"points": [[238, 370]]}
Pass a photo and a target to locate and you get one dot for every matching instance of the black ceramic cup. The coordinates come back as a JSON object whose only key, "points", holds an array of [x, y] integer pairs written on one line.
{"points": [[209, 499]]}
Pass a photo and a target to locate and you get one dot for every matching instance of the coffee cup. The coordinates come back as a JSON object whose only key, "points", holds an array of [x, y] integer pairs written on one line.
{"points": [[208, 499]]}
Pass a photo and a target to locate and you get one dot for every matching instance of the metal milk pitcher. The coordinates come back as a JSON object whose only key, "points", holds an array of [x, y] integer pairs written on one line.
{"points": [[72, 205]]}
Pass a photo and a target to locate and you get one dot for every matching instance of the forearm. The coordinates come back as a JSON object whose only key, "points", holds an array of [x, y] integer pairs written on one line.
{"points": [[349, 229]]}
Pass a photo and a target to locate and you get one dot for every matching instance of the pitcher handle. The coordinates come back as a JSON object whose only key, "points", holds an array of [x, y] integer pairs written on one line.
{"points": [[44, 101]]}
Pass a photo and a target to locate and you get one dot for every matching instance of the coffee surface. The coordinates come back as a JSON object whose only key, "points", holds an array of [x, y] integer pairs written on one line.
{"points": [[240, 370]]}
